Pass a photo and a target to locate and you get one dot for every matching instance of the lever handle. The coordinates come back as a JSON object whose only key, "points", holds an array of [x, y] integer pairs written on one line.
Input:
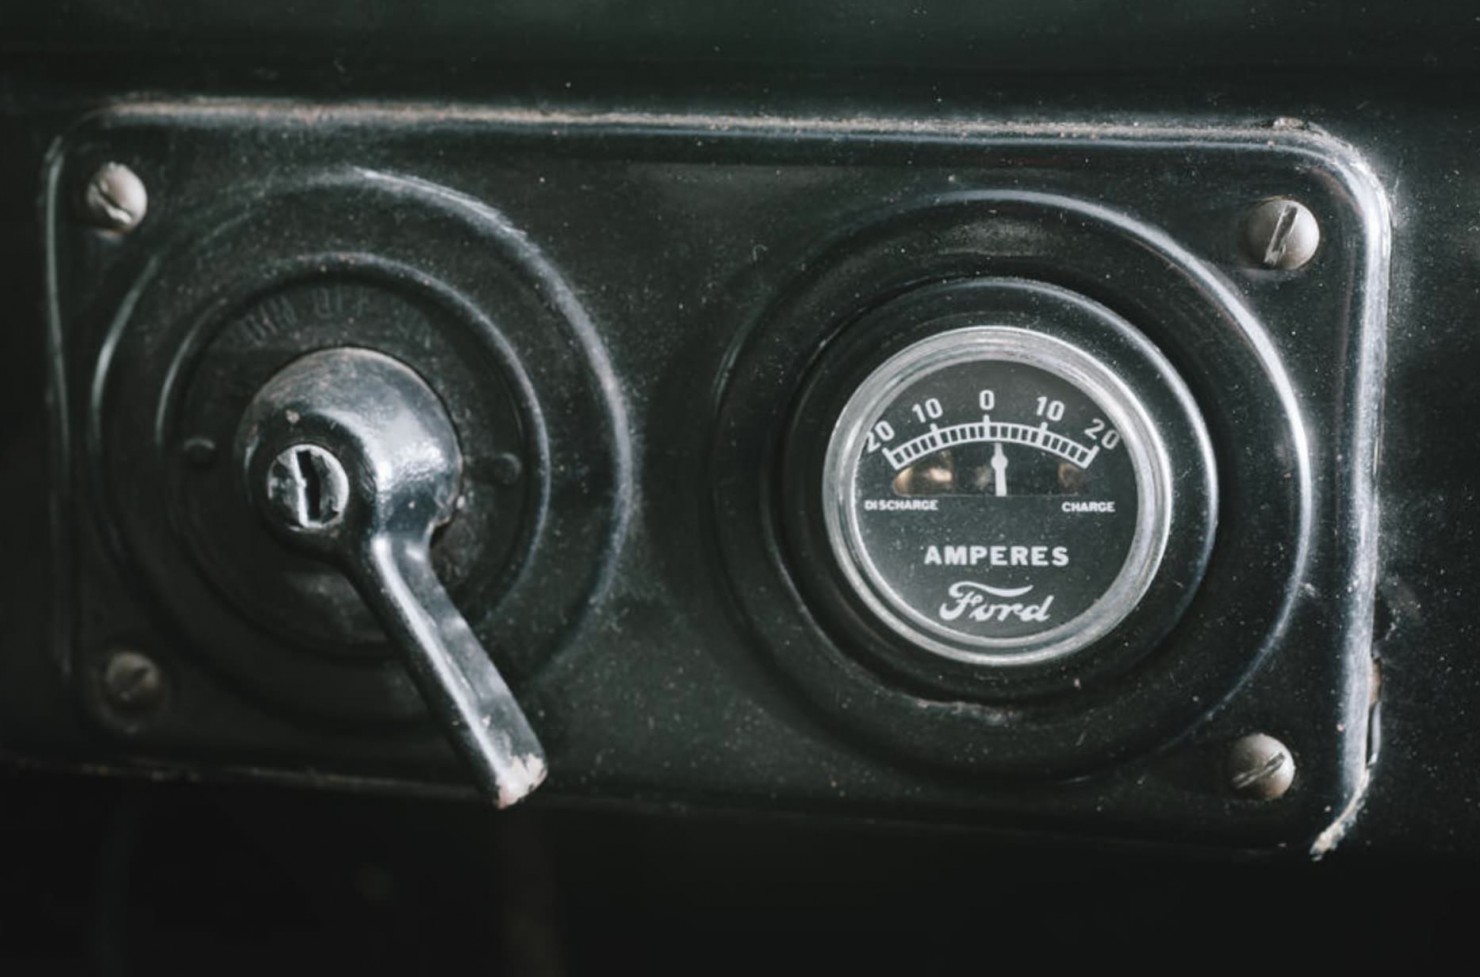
{"points": [[352, 458]]}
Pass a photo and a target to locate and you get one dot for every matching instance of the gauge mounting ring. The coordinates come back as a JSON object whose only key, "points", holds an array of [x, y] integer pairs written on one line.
{"points": [[1160, 321], [1069, 506], [1076, 570]]}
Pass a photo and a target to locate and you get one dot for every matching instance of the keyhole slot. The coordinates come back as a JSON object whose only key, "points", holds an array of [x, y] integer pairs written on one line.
{"points": [[312, 482], [307, 488]]}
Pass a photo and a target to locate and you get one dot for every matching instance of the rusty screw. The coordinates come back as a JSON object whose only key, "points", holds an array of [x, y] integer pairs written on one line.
{"points": [[115, 198], [133, 683], [1260, 767], [1281, 234]]}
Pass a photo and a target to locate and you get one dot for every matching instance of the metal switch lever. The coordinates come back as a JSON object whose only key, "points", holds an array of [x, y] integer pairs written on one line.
{"points": [[352, 458]]}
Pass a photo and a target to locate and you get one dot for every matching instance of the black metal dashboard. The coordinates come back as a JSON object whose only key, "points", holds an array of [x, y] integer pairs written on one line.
{"points": [[648, 293]]}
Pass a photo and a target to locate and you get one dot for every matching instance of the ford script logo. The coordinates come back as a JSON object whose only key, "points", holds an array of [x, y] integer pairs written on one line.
{"points": [[981, 602]]}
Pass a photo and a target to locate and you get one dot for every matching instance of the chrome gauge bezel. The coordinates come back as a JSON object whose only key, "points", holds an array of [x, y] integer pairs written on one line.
{"points": [[1142, 441]]}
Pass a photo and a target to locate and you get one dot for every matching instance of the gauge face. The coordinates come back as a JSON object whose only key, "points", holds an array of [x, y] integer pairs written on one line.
{"points": [[997, 495]]}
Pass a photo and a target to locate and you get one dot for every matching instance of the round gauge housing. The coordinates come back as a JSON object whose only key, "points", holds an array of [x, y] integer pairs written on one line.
{"points": [[1002, 489], [997, 495]]}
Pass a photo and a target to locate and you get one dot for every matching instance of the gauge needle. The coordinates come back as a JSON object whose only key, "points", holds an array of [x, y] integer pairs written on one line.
{"points": [[999, 466]]}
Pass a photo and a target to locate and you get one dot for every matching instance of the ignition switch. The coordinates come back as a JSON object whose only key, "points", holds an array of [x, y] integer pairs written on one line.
{"points": [[352, 458]]}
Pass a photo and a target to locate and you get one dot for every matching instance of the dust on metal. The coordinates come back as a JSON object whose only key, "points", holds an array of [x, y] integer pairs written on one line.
{"points": [[507, 468]]}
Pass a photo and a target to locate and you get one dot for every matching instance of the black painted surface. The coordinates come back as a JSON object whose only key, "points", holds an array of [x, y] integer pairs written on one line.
{"points": [[678, 234], [1419, 129], [142, 879], [989, 35]]}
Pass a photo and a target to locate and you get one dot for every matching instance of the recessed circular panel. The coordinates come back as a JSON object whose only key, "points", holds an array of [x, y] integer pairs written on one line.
{"points": [[491, 328], [1171, 547]]}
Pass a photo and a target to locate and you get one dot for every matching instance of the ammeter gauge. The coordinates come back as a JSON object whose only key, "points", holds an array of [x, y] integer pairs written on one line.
{"points": [[998, 494], [1002, 489]]}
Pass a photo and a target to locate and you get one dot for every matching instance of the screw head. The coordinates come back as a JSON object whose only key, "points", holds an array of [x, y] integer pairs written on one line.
{"points": [[307, 488], [507, 468], [1260, 767], [1281, 234], [199, 451], [115, 198], [132, 682]]}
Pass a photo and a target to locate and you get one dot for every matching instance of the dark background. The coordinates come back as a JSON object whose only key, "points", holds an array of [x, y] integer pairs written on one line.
{"points": [[109, 877]]}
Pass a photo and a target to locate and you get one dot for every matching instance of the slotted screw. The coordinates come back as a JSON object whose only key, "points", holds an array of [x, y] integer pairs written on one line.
{"points": [[1281, 234], [132, 682], [115, 198], [1260, 767]]}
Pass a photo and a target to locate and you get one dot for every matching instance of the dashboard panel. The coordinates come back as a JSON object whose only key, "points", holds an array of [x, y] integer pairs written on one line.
{"points": [[665, 436], [779, 394]]}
